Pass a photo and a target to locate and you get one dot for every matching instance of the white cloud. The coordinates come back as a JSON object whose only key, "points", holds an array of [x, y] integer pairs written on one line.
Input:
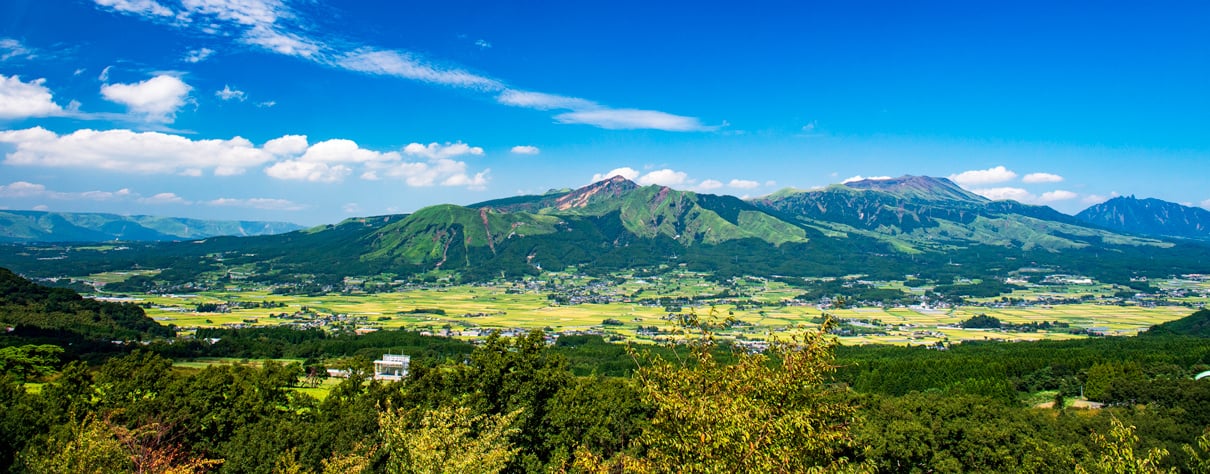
{"points": [[131, 152], [809, 127], [1097, 199], [350, 208], [1206, 204], [632, 119], [272, 25], [266, 104], [345, 151], [443, 171], [269, 204], [664, 177], [165, 198], [287, 145], [11, 48], [231, 94], [625, 172], [543, 101], [525, 150], [42, 207], [434, 151], [1000, 194], [157, 99], [409, 66], [138, 7], [1034, 178], [1057, 195], [743, 184], [26, 99], [21, 189], [295, 170], [709, 184], [998, 174], [854, 179], [198, 55], [104, 75], [24, 189], [483, 44]]}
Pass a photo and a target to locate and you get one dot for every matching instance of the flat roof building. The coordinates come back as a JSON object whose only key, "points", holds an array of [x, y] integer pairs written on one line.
{"points": [[392, 367]]}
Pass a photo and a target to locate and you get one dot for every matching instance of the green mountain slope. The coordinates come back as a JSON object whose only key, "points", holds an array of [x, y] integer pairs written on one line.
{"points": [[917, 213], [28, 310], [1151, 217], [884, 229], [38, 226]]}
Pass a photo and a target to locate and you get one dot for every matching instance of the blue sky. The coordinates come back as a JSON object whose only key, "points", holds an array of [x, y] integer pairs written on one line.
{"points": [[311, 111]]}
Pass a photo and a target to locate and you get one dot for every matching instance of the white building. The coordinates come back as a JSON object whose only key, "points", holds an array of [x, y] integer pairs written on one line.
{"points": [[391, 367]]}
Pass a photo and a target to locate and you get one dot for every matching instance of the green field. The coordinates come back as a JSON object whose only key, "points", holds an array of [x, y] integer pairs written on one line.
{"points": [[470, 311]]}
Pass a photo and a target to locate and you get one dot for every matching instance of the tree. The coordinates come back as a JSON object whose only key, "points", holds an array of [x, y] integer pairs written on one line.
{"points": [[768, 412], [447, 440], [1118, 455]]}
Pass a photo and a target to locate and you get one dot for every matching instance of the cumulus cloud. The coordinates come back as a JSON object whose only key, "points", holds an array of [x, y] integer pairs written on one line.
{"points": [[308, 171], [165, 198], [1206, 204], [228, 94], [1097, 199], [525, 150], [998, 174], [198, 55], [709, 184], [26, 99], [1022, 195], [743, 184], [665, 177], [1034, 178], [625, 172], [157, 99], [1005, 193], [854, 179], [268, 204], [22, 189], [275, 27], [25, 189], [443, 171], [1057, 195], [287, 145], [129, 151], [435, 150]]}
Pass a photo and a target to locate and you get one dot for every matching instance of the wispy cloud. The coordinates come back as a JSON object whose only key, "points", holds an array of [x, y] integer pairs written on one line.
{"points": [[198, 55], [268, 204], [228, 94], [272, 26], [11, 48]]}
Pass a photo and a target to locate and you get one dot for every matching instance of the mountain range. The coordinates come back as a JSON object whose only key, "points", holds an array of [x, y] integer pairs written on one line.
{"points": [[884, 227], [1149, 217], [38, 226]]}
